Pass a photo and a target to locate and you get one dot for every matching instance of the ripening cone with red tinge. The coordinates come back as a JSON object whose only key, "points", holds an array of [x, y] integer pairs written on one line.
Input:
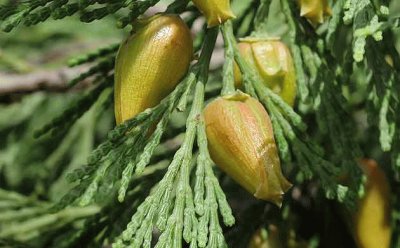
{"points": [[315, 10], [372, 219], [215, 11], [273, 62], [150, 63], [241, 142]]}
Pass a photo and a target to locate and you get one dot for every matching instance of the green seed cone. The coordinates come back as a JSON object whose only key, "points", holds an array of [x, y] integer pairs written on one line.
{"points": [[150, 63]]}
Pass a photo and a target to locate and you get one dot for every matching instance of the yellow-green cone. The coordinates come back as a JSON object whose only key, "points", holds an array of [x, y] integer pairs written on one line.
{"points": [[274, 64], [150, 63], [372, 219], [215, 11], [314, 10], [241, 142]]}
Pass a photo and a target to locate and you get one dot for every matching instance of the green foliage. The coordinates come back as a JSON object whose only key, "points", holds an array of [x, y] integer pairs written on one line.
{"points": [[32, 12], [150, 181]]}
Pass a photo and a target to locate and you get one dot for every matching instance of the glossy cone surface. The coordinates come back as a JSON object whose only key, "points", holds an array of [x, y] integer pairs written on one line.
{"points": [[372, 221], [150, 63], [241, 143], [215, 11], [274, 63]]}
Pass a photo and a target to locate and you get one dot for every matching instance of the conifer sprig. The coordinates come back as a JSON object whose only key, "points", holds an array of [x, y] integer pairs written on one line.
{"points": [[370, 25], [174, 193], [28, 218], [127, 148], [324, 82], [294, 40], [70, 115], [32, 12], [92, 56]]}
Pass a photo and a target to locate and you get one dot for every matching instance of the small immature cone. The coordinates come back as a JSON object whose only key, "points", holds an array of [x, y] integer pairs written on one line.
{"points": [[389, 60], [150, 63], [314, 10], [215, 11], [274, 64], [372, 219], [241, 142]]}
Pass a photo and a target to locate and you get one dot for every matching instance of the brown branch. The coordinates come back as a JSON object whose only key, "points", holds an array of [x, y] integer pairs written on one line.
{"points": [[51, 80]]}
